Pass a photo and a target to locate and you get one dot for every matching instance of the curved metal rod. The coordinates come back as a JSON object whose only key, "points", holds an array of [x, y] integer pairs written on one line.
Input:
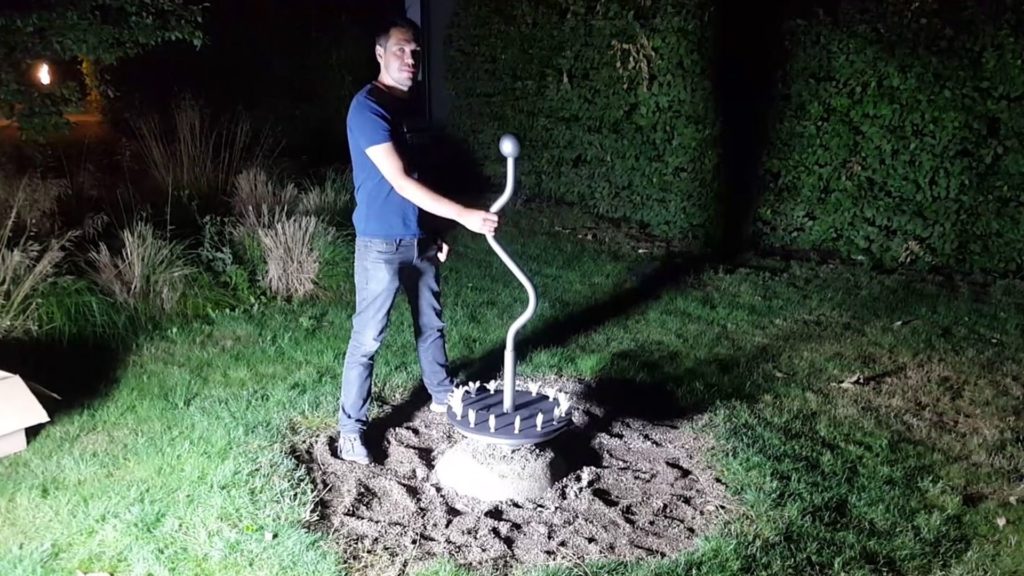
{"points": [[510, 180], [510, 149]]}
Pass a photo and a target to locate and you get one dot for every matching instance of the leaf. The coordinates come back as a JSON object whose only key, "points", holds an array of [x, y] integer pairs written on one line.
{"points": [[1001, 522]]}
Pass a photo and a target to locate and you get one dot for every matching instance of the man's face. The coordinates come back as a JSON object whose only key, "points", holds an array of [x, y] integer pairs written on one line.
{"points": [[398, 59]]}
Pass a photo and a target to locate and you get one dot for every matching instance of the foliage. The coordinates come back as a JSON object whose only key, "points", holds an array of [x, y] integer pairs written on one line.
{"points": [[897, 145], [101, 31], [330, 198], [291, 226], [618, 120], [199, 158], [26, 267], [258, 198], [893, 143], [147, 272], [33, 201], [76, 309], [232, 257], [293, 261]]}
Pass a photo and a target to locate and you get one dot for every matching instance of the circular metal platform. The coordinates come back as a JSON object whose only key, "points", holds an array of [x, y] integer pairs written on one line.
{"points": [[486, 403]]}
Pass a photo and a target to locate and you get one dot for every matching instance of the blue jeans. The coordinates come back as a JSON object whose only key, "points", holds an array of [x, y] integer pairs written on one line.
{"points": [[381, 267]]}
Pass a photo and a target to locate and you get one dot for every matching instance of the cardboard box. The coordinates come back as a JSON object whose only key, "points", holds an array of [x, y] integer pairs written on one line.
{"points": [[19, 410]]}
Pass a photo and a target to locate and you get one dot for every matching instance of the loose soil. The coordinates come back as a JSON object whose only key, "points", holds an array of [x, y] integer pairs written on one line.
{"points": [[635, 489]]}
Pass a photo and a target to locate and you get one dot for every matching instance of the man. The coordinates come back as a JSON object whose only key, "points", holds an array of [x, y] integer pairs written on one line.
{"points": [[392, 247]]}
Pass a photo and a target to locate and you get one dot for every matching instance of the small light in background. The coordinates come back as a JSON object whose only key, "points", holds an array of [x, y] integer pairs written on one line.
{"points": [[43, 74]]}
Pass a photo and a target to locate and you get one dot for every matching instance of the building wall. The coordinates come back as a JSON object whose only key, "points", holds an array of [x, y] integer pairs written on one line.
{"points": [[433, 16], [440, 97]]}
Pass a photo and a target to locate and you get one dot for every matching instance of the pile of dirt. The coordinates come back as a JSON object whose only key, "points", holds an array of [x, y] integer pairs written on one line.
{"points": [[634, 490]]}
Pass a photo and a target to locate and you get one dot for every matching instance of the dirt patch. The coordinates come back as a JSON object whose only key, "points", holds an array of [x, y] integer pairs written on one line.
{"points": [[634, 489]]}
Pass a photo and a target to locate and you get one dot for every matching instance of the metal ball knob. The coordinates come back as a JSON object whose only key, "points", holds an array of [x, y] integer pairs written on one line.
{"points": [[509, 146]]}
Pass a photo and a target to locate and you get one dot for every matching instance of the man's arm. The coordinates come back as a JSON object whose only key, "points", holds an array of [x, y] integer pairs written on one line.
{"points": [[391, 167]]}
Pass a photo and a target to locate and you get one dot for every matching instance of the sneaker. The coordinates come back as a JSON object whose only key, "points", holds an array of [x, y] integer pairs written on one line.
{"points": [[439, 408], [351, 448]]}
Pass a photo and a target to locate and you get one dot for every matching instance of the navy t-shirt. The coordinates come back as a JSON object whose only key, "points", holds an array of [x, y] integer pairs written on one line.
{"points": [[376, 117]]}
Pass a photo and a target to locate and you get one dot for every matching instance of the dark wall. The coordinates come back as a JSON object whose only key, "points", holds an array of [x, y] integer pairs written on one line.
{"points": [[439, 16]]}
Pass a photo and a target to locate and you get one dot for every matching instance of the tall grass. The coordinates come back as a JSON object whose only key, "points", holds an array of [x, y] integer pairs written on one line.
{"points": [[331, 198], [293, 260], [197, 156], [258, 200], [25, 267], [148, 271], [33, 202], [76, 309], [288, 223]]}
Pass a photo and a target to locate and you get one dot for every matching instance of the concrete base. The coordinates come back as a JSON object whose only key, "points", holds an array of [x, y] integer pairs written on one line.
{"points": [[492, 472]]}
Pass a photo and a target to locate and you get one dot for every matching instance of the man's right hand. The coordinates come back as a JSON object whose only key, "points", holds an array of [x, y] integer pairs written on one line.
{"points": [[479, 221]]}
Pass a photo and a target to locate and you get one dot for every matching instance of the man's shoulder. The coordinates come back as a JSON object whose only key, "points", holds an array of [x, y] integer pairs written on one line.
{"points": [[369, 121], [369, 99]]}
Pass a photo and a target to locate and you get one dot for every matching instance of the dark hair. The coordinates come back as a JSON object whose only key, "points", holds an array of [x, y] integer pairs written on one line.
{"points": [[402, 23]]}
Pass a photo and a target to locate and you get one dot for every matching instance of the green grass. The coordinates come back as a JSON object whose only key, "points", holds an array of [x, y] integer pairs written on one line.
{"points": [[183, 466]]}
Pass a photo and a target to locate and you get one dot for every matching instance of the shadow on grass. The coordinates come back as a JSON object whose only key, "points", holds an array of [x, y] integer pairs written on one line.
{"points": [[634, 384], [639, 384], [77, 372], [671, 273]]}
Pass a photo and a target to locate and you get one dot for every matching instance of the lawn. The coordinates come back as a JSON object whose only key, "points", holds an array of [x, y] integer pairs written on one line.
{"points": [[866, 423]]}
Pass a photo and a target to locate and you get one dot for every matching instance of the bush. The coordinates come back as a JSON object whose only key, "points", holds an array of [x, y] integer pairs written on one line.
{"points": [[619, 120], [76, 309], [233, 257], [291, 246], [25, 268], [288, 227], [148, 273], [898, 146], [257, 199], [330, 199], [894, 143]]}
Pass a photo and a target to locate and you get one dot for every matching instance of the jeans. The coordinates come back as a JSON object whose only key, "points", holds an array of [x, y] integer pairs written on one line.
{"points": [[381, 267]]}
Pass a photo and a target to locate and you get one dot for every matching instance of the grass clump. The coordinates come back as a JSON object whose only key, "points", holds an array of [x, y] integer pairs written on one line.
{"points": [[293, 261], [147, 272], [26, 266], [293, 238]]}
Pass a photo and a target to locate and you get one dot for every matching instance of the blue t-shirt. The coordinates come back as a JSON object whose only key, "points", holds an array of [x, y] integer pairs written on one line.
{"points": [[376, 117]]}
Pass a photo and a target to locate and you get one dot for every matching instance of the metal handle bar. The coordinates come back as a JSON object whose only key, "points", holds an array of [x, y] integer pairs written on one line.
{"points": [[509, 147]]}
